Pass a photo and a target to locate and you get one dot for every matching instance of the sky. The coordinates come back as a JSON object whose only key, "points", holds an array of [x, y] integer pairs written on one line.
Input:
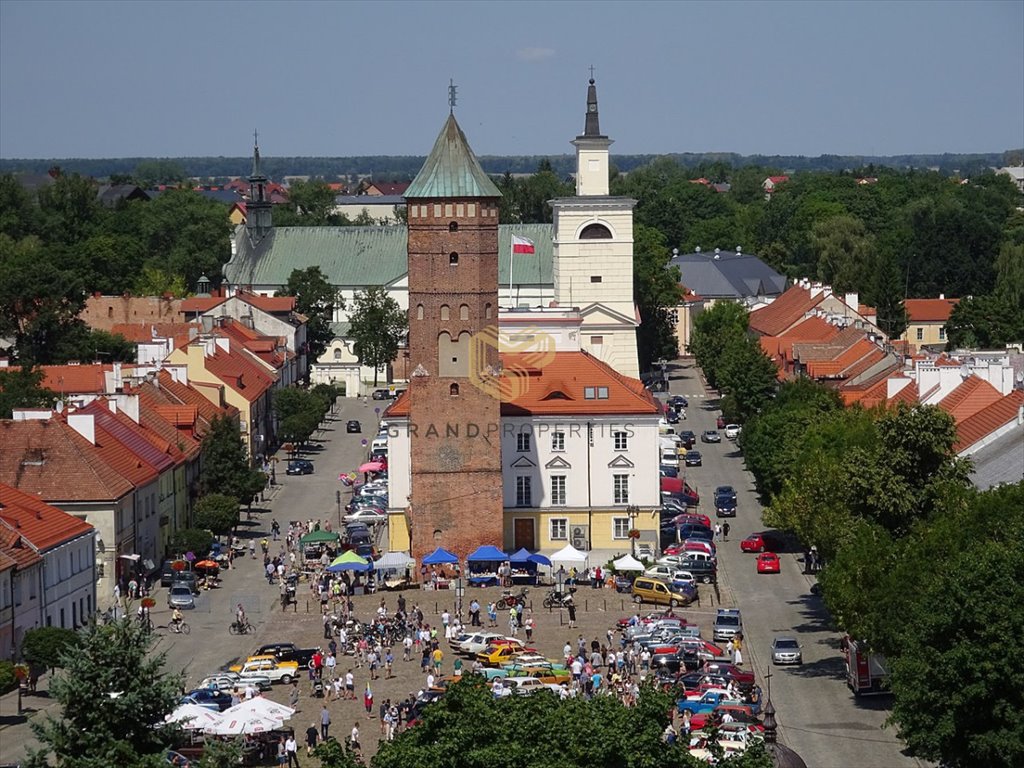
{"points": [[171, 79]]}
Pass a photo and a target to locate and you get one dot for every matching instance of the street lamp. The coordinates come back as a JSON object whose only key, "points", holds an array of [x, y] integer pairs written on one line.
{"points": [[460, 590], [337, 498]]}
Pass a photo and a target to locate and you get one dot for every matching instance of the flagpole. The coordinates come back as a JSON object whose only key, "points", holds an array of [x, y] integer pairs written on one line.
{"points": [[511, 262]]}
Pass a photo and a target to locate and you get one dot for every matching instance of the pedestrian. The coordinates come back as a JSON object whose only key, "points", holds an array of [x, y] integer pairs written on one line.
{"points": [[293, 695], [492, 614], [311, 738], [458, 667], [325, 722], [571, 607], [282, 753], [327, 626], [350, 685], [389, 661], [353, 738], [252, 554], [513, 623], [407, 648], [474, 613], [330, 662], [292, 748], [368, 702], [528, 626], [725, 532], [438, 656], [718, 531]]}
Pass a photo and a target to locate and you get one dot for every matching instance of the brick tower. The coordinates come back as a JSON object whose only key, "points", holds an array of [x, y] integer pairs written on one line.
{"points": [[454, 414]]}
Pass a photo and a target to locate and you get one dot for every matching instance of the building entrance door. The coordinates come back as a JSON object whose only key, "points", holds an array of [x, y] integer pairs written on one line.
{"points": [[523, 534]]}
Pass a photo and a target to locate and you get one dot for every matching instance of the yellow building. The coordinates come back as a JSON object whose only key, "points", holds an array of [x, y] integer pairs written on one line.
{"points": [[926, 321]]}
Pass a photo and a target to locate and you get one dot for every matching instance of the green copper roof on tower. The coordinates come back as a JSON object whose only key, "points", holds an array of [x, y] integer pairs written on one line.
{"points": [[451, 169]]}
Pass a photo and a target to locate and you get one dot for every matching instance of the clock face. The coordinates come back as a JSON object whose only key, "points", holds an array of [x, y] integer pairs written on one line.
{"points": [[592, 108]]}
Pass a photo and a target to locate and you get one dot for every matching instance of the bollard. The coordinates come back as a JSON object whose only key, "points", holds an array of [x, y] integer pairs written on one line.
{"points": [[605, 602], [307, 605]]}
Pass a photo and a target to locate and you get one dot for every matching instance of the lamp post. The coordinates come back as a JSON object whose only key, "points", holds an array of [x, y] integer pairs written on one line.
{"points": [[460, 590], [632, 510], [337, 498]]}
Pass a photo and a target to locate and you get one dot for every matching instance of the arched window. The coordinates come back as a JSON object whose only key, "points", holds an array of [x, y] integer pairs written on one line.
{"points": [[419, 311], [595, 232], [445, 312], [453, 226], [453, 390], [453, 259], [337, 354], [464, 312], [487, 311]]}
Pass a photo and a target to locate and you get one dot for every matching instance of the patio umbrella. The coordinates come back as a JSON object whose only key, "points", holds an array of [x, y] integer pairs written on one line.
{"points": [[371, 466], [204, 564], [193, 717], [234, 726], [259, 707], [349, 561]]}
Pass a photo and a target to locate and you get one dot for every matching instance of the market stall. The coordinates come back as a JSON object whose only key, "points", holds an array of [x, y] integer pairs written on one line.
{"points": [[483, 566], [524, 567], [435, 568], [395, 570]]}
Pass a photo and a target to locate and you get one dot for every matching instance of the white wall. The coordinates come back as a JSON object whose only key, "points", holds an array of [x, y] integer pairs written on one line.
{"points": [[68, 582]]}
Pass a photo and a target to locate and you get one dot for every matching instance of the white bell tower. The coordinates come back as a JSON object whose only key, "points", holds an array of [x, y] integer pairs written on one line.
{"points": [[593, 252]]}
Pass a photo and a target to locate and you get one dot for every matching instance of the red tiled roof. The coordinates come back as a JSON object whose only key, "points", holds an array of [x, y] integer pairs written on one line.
{"points": [[201, 304], [42, 525], [973, 394], [184, 394], [865, 311], [929, 310], [175, 443], [6, 563], [272, 304], [558, 389], [239, 373], [909, 395], [148, 448], [846, 358], [390, 187], [782, 313], [49, 459], [989, 419], [76, 379], [17, 548]]}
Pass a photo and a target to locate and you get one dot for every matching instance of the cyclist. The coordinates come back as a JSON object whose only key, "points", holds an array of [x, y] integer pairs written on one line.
{"points": [[176, 619], [240, 618]]}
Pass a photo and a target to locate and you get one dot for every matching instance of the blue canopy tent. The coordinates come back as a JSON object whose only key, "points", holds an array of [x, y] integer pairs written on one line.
{"points": [[483, 565], [524, 566], [440, 557]]}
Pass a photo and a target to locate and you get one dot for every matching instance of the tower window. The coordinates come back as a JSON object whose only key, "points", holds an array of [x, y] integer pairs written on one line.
{"points": [[453, 390], [445, 312], [464, 312], [596, 232], [419, 311], [453, 259], [453, 226], [487, 311], [596, 278]]}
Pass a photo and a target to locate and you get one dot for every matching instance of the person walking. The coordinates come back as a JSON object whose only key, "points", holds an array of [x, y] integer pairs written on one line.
{"points": [[474, 613], [368, 702], [325, 722], [718, 531], [528, 626], [293, 695], [291, 748], [513, 623], [353, 738], [311, 739], [725, 532], [492, 614], [570, 606]]}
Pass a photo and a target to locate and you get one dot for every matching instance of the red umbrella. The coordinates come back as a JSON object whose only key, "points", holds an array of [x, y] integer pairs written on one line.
{"points": [[206, 564], [371, 466]]}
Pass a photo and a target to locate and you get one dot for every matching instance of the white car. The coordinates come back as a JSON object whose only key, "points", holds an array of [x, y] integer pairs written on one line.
{"points": [[227, 681], [478, 642], [523, 685], [732, 431], [366, 515]]}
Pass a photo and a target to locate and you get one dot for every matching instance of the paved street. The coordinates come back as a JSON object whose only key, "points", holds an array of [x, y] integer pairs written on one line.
{"points": [[817, 713]]}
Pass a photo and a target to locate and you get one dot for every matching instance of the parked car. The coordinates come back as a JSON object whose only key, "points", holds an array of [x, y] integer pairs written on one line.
{"points": [[209, 698], [368, 515], [382, 394], [710, 436], [267, 666], [287, 652], [678, 401], [786, 650], [732, 431], [168, 574], [668, 470], [180, 596], [768, 562], [299, 467], [671, 416], [725, 501], [353, 425], [648, 590], [693, 459], [228, 681], [728, 624], [478, 642], [687, 438]]}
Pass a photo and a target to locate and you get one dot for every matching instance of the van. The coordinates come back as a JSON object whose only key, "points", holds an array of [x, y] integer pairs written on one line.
{"points": [[670, 457], [648, 590]]}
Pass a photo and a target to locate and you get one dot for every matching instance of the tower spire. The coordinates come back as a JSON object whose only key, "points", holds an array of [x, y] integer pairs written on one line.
{"points": [[592, 129], [452, 95], [258, 217], [255, 152]]}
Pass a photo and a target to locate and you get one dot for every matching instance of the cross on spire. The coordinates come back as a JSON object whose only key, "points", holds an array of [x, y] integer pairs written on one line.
{"points": [[591, 72], [452, 95], [255, 137]]}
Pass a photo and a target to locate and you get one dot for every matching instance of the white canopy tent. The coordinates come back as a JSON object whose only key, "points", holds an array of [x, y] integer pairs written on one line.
{"points": [[627, 563], [193, 717], [235, 726], [394, 561], [569, 555], [259, 708]]}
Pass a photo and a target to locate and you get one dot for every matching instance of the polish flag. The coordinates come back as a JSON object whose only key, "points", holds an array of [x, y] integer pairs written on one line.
{"points": [[522, 245]]}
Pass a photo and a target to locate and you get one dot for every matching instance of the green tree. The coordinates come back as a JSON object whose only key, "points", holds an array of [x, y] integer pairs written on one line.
{"points": [[885, 291], [377, 326], [18, 213], [197, 540], [7, 677], [844, 251], [746, 375], [1010, 274], [221, 754], [656, 292], [46, 646], [217, 512], [333, 754], [312, 201], [114, 694], [299, 413], [68, 209], [316, 299], [984, 322], [22, 387], [154, 281], [712, 330], [150, 173], [226, 469]]}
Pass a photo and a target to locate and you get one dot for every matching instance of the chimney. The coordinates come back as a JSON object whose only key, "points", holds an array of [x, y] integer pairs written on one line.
{"points": [[815, 289], [128, 405], [84, 424], [942, 296], [852, 301], [223, 342]]}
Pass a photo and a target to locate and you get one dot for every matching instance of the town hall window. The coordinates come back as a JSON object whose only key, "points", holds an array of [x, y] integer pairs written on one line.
{"points": [[595, 232], [621, 441], [453, 226], [523, 442], [453, 259], [445, 312], [558, 491], [558, 441], [524, 497], [419, 311], [620, 489], [464, 312], [453, 390]]}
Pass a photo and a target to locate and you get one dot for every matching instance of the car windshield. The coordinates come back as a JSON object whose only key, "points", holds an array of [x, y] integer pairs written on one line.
{"points": [[729, 620], [786, 645]]}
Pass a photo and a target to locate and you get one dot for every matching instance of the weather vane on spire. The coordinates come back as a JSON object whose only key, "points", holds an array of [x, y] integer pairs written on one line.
{"points": [[452, 95], [256, 137], [591, 71]]}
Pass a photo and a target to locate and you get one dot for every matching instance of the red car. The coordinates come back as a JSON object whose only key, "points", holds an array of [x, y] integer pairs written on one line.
{"points": [[768, 562], [742, 677], [754, 543]]}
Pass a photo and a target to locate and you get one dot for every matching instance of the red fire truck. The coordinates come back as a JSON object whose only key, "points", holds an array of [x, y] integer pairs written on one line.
{"points": [[866, 673]]}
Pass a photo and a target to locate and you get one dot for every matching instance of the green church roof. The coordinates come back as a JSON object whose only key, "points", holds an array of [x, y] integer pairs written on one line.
{"points": [[451, 170]]}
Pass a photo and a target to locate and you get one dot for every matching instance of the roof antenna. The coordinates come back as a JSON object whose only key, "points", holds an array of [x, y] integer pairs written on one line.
{"points": [[452, 95]]}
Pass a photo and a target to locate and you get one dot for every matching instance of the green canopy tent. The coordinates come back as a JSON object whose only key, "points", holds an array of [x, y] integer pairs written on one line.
{"points": [[319, 537]]}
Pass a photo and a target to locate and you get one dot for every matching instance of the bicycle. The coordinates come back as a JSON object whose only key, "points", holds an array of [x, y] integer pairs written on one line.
{"points": [[237, 628], [179, 629]]}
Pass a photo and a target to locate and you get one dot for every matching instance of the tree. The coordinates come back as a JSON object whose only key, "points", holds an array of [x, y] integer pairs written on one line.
{"points": [[656, 292], [221, 754], [22, 387], [985, 322], [154, 281], [316, 299], [299, 413], [470, 728], [333, 754], [885, 292], [313, 201], [8, 679], [711, 332], [844, 250], [746, 374], [1010, 274], [217, 512], [226, 469], [195, 540], [377, 326], [114, 695], [45, 646], [150, 173]]}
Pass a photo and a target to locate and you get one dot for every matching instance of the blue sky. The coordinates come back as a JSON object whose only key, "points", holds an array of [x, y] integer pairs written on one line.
{"points": [[99, 79]]}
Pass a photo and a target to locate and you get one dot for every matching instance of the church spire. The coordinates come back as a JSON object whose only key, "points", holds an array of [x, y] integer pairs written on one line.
{"points": [[256, 154], [592, 129], [258, 215]]}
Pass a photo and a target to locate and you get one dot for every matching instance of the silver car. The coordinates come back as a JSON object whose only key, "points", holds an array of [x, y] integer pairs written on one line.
{"points": [[786, 650], [180, 596]]}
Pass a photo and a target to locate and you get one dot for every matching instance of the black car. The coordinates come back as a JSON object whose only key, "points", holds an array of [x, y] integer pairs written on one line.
{"points": [[208, 698], [680, 661], [702, 570], [382, 394], [671, 416], [693, 459], [667, 470], [687, 438], [725, 501], [287, 652], [299, 467], [678, 401], [353, 426]]}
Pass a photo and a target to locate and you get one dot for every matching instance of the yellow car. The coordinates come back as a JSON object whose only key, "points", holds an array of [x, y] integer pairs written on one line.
{"points": [[267, 666], [544, 672], [496, 655]]}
